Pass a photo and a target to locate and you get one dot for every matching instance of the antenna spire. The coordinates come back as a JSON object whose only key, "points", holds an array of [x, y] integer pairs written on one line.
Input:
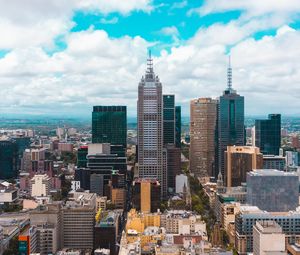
{"points": [[149, 63], [229, 74]]}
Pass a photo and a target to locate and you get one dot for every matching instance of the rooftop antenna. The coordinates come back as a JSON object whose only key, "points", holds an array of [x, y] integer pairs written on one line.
{"points": [[229, 74]]}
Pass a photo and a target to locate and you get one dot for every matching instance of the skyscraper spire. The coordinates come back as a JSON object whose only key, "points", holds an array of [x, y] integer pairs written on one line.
{"points": [[229, 74], [149, 63]]}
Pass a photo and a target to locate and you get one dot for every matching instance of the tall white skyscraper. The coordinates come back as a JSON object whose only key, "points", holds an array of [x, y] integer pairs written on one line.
{"points": [[152, 163]]}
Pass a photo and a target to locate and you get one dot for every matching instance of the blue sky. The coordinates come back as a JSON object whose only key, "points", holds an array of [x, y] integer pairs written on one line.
{"points": [[62, 57]]}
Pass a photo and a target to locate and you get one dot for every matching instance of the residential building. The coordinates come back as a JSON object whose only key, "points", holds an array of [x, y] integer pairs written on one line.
{"points": [[151, 163], [203, 116], [238, 161], [268, 134], [273, 190]]}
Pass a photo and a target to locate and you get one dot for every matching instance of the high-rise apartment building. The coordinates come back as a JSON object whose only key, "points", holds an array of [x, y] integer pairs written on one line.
{"points": [[109, 125], [268, 134], [231, 130], [202, 134], [150, 128], [238, 161]]}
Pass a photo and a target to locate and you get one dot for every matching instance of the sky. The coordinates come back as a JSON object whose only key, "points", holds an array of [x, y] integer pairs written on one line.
{"points": [[61, 57]]}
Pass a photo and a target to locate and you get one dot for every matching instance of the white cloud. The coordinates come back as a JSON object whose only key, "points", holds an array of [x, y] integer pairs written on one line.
{"points": [[37, 23], [179, 5]]}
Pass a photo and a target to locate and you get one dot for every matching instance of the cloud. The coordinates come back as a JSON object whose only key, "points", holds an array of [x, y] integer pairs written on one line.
{"points": [[113, 20], [179, 5], [38, 23]]}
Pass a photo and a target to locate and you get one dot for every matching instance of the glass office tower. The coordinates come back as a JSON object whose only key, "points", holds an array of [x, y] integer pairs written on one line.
{"points": [[8, 159], [268, 134], [178, 126], [231, 130], [109, 125], [169, 119]]}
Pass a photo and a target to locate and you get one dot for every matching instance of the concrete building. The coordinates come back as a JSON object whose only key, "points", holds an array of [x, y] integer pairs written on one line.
{"points": [[101, 203], [273, 190], [146, 195], [106, 232], [292, 158], [203, 116], [48, 222], [78, 218], [268, 238], [274, 162], [238, 161], [249, 215], [118, 198], [151, 164], [9, 193], [65, 147], [40, 185]]}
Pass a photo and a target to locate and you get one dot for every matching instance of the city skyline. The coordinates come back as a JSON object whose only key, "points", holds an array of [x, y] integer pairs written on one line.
{"points": [[72, 56]]}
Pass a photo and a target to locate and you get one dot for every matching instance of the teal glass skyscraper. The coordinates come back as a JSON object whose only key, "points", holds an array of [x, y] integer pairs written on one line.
{"points": [[231, 130], [169, 119], [268, 134], [109, 125], [8, 159], [178, 126]]}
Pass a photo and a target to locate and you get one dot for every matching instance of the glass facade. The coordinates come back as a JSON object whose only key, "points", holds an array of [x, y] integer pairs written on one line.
{"points": [[109, 125], [231, 130], [169, 119], [268, 134], [178, 126], [8, 159]]}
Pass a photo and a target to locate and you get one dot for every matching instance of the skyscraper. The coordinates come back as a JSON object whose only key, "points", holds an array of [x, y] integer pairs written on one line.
{"points": [[8, 159], [109, 125], [178, 126], [202, 131], [150, 128], [268, 134], [169, 119], [231, 116]]}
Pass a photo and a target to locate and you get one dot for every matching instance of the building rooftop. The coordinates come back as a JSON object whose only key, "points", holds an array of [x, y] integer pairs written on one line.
{"points": [[268, 227], [270, 172]]}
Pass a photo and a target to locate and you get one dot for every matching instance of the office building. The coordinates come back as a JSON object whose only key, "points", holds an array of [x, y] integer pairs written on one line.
{"points": [[292, 158], [150, 128], [178, 126], [203, 112], [82, 153], [28, 241], [169, 130], [97, 184], [230, 123], [273, 190], [238, 161], [40, 185], [268, 134], [8, 159], [78, 219], [249, 215], [173, 165], [268, 238], [274, 162], [48, 222], [146, 195], [109, 125]]}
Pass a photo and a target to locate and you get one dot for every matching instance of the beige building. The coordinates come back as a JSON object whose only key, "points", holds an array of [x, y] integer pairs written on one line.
{"points": [[101, 203], [228, 212], [40, 185], [238, 161], [268, 238], [203, 114]]}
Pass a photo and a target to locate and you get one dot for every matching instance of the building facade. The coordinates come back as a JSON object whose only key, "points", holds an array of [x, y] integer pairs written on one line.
{"points": [[150, 128], [203, 113], [273, 190], [231, 130], [238, 161], [268, 134]]}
